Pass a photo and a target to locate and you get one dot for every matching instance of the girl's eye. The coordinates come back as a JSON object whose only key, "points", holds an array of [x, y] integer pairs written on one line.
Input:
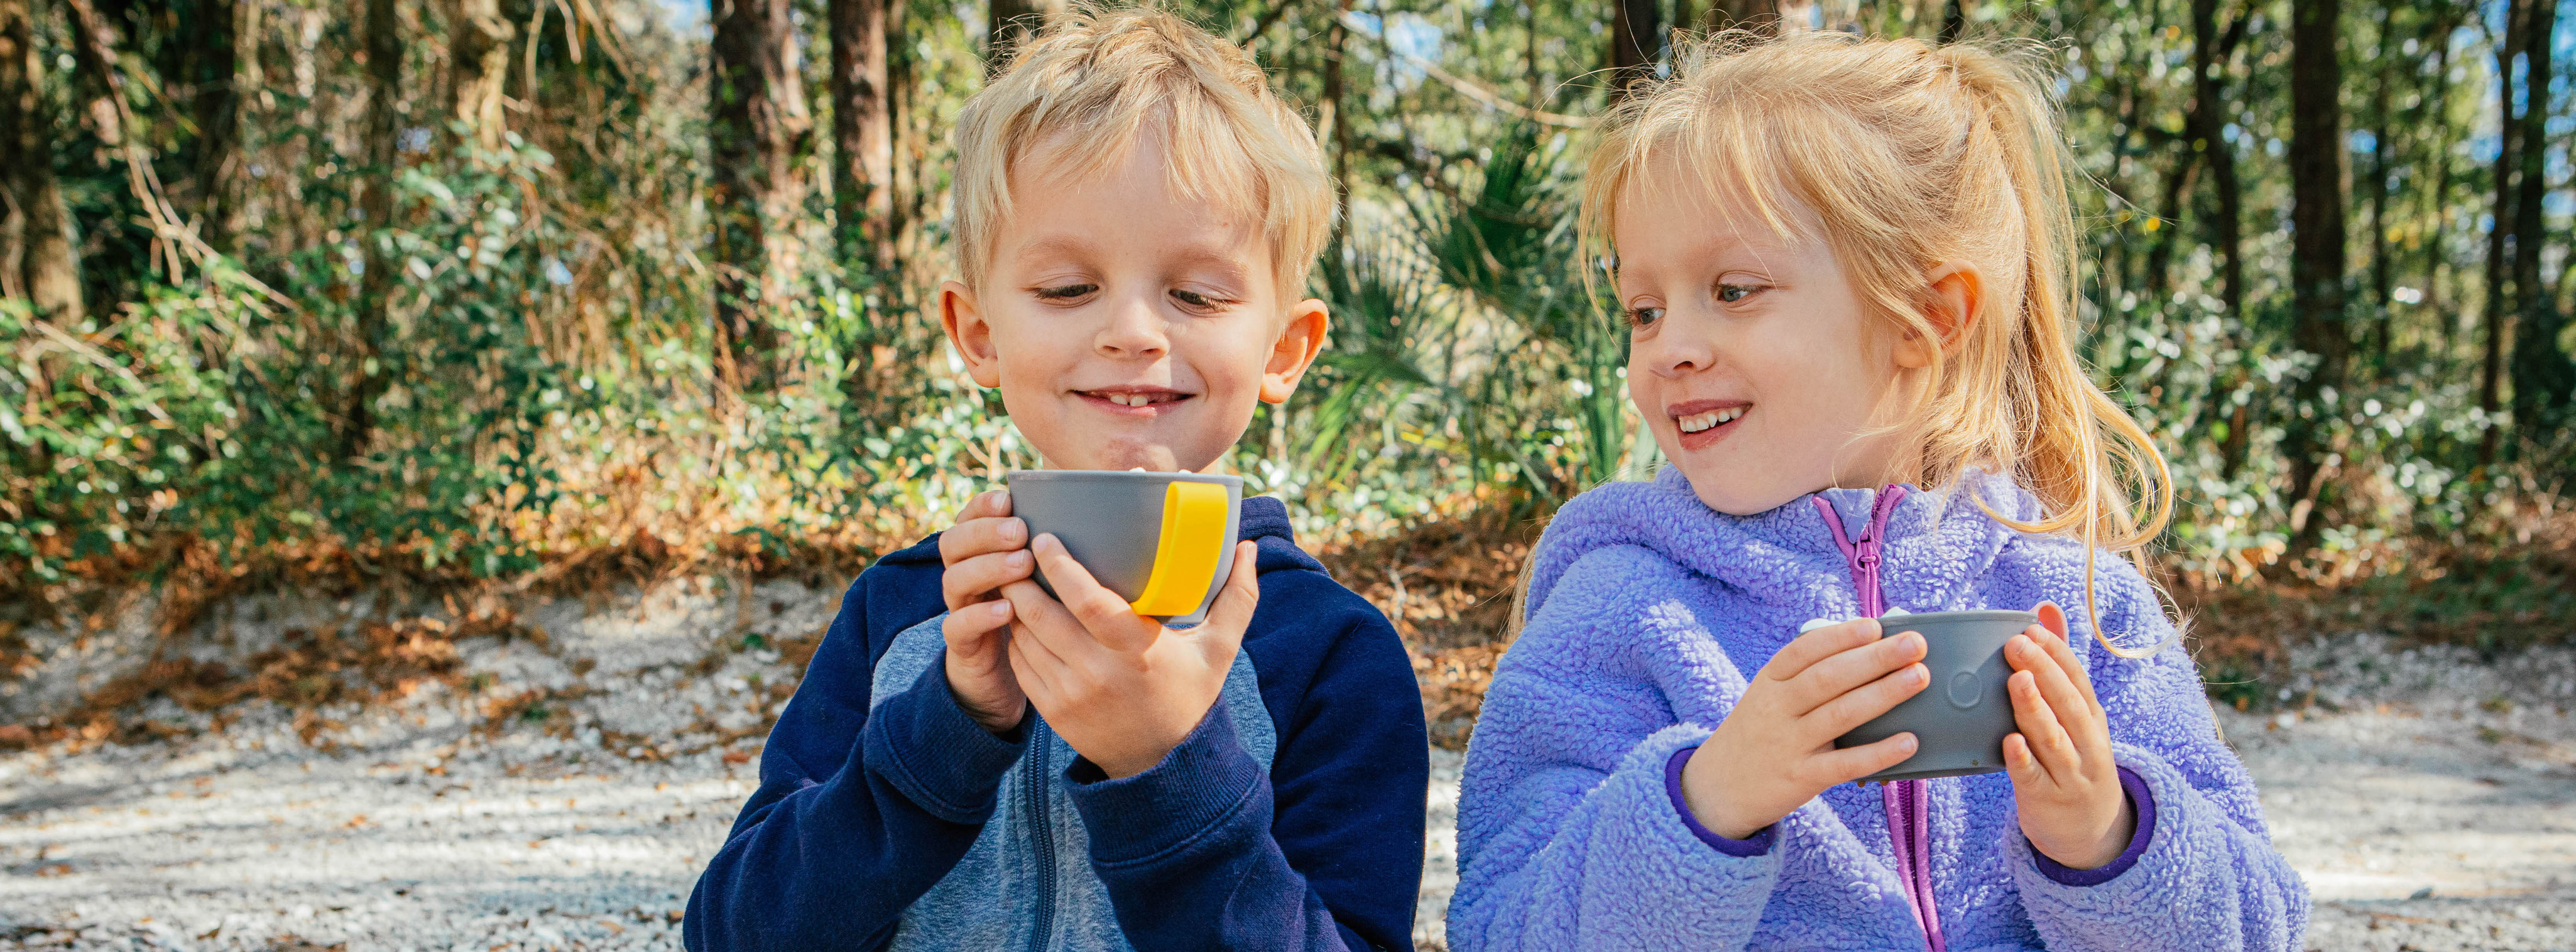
{"points": [[1731, 293], [1065, 291], [1644, 317]]}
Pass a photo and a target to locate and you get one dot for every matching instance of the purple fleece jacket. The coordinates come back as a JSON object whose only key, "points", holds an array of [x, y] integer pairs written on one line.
{"points": [[1647, 611]]}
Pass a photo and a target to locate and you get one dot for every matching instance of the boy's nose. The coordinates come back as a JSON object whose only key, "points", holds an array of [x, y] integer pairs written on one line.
{"points": [[1134, 329]]}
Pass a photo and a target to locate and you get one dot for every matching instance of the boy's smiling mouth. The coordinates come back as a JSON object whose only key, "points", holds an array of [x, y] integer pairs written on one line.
{"points": [[1133, 401], [1703, 422]]}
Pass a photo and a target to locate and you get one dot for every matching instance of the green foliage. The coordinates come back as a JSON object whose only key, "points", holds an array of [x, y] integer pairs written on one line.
{"points": [[544, 383]]}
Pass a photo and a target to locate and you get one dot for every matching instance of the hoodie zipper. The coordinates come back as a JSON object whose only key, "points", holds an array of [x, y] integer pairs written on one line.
{"points": [[1041, 833], [1908, 802]]}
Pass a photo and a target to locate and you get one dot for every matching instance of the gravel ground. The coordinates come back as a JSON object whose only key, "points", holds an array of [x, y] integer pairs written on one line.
{"points": [[2429, 798]]}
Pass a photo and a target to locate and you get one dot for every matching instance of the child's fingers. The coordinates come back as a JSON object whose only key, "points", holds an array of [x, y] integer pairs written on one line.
{"points": [[2019, 764], [1039, 619], [973, 537], [2060, 649], [1232, 612], [966, 629], [1814, 646], [1855, 707], [1845, 673], [1109, 619], [2074, 707], [966, 582], [2048, 741], [1852, 763], [1034, 668]]}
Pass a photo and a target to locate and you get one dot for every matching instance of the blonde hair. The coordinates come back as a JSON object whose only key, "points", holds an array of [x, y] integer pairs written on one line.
{"points": [[1912, 156], [1082, 94]]}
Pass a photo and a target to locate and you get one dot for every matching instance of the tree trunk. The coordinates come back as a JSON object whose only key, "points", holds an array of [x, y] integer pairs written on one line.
{"points": [[903, 175], [2382, 271], [384, 85], [1337, 126], [217, 104], [2541, 372], [862, 137], [2317, 249], [2432, 108], [2498, 302], [478, 55], [758, 128], [1636, 34], [45, 265], [1759, 16], [2210, 50]]}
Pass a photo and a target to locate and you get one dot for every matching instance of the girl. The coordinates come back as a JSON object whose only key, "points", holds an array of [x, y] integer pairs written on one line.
{"points": [[1848, 269]]}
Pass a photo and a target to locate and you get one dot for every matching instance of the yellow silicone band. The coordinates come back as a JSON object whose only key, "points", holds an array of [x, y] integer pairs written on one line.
{"points": [[1186, 554]]}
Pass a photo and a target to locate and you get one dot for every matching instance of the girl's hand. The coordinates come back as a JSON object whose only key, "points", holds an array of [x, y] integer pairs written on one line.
{"points": [[984, 551], [2067, 788], [1775, 750]]}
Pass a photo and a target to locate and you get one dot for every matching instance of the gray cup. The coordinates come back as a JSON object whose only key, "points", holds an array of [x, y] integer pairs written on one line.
{"points": [[1113, 523], [1962, 717]]}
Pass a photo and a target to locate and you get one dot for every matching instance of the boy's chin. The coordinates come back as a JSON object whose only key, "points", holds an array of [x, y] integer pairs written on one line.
{"points": [[1115, 454]]}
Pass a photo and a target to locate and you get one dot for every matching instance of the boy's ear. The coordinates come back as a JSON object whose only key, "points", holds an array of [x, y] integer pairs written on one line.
{"points": [[1308, 323], [1952, 292], [967, 330]]}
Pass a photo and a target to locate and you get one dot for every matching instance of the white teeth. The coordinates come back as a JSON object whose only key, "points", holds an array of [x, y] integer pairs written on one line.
{"points": [[1130, 399], [1702, 421]]}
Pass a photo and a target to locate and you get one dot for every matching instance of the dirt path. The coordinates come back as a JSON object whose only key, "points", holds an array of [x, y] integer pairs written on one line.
{"points": [[2433, 808]]}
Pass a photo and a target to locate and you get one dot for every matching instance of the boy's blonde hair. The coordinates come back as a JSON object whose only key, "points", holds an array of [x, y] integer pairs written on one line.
{"points": [[1082, 94], [1911, 156]]}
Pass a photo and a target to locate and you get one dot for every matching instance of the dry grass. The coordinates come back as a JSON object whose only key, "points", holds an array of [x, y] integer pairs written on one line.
{"points": [[1447, 585]]}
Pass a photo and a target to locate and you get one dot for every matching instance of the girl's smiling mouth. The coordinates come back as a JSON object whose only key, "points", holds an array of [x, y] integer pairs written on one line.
{"points": [[1133, 401], [1703, 422]]}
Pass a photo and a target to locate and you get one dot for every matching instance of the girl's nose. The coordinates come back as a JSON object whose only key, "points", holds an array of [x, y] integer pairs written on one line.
{"points": [[1134, 329], [1671, 355]]}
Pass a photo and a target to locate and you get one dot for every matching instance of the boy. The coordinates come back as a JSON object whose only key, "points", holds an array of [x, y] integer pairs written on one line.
{"points": [[972, 764]]}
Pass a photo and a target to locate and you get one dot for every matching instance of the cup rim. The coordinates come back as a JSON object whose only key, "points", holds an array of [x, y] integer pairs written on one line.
{"points": [[1117, 475], [1894, 622]]}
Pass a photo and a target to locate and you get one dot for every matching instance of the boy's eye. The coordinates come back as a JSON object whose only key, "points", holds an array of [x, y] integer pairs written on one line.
{"points": [[1196, 300], [1643, 317], [1065, 291], [1731, 293]]}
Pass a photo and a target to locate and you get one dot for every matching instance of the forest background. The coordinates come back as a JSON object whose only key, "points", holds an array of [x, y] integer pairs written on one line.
{"points": [[459, 296]]}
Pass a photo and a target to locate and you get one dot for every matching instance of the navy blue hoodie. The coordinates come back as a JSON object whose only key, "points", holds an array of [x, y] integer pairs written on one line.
{"points": [[1290, 818]]}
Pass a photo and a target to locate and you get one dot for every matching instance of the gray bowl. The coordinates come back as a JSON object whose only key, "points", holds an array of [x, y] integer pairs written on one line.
{"points": [[1112, 523], [1962, 717]]}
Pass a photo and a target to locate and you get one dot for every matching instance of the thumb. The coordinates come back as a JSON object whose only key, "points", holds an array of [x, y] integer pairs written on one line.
{"points": [[1232, 613]]}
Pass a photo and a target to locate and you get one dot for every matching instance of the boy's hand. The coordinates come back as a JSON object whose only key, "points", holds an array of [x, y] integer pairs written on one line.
{"points": [[2064, 783], [985, 550], [1119, 687], [1775, 750]]}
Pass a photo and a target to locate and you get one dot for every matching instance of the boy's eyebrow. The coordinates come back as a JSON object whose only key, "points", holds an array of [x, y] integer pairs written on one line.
{"points": [[1054, 245], [1227, 267]]}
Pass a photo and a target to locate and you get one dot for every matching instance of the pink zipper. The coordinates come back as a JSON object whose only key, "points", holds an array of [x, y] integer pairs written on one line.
{"points": [[1909, 802]]}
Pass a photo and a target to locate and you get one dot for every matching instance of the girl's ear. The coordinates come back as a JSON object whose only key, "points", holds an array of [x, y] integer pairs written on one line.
{"points": [[967, 330], [1298, 343], [1952, 291]]}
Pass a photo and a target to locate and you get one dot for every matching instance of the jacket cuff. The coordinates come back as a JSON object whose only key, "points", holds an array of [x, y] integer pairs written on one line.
{"points": [[2143, 803], [1206, 780], [927, 747], [1755, 845]]}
